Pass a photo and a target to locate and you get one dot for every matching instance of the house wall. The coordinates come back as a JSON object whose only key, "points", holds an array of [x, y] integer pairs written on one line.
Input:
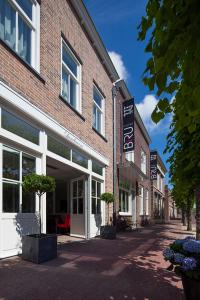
{"points": [[140, 143], [43, 89], [57, 17]]}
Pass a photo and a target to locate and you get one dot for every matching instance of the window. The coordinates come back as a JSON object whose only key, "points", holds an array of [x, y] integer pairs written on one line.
{"points": [[79, 159], [71, 73], [130, 156], [123, 201], [96, 194], [141, 200], [58, 148], [19, 28], [98, 111], [19, 127], [77, 197], [143, 162], [147, 203], [15, 166], [97, 168]]}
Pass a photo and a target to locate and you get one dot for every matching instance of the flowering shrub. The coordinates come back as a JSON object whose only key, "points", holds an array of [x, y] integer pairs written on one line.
{"points": [[184, 256]]}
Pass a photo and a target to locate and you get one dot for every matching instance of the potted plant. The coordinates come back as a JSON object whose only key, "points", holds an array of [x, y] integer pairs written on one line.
{"points": [[39, 247], [184, 256], [108, 231]]}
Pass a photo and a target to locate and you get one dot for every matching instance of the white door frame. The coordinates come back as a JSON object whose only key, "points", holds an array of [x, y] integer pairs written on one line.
{"points": [[83, 178]]}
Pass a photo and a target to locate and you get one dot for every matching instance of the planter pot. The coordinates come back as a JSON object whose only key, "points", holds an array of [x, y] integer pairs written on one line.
{"points": [[191, 288], [108, 232], [39, 248]]}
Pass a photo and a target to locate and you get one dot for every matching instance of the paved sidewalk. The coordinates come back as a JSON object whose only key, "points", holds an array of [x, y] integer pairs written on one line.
{"points": [[130, 267]]}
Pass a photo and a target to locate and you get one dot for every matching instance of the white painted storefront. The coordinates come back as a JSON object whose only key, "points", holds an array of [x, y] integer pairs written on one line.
{"points": [[20, 153]]}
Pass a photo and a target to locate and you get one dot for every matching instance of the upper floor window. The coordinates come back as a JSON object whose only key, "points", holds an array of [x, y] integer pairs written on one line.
{"points": [[71, 73], [19, 28], [143, 162], [98, 111], [129, 156]]}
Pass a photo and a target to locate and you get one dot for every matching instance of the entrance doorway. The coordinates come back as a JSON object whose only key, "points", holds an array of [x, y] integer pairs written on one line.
{"points": [[68, 199]]}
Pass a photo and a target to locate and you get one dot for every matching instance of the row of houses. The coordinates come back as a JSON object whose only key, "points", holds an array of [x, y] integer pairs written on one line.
{"points": [[62, 114]]}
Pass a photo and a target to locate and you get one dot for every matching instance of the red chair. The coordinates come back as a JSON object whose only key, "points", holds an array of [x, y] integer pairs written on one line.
{"points": [[65, 224]]}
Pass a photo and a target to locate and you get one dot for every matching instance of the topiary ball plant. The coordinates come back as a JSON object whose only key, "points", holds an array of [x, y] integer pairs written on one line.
{"points": [[39, 184], [107, 198]]}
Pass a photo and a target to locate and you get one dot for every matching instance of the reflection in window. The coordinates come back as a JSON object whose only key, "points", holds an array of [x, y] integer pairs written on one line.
{"points": [[28, 165], [123, 201], [78, 197], [58, 148], [97, 168], [10, 197], [79, 159], [13, 174], [11, 160], [19, 127], [70, 77], [96, 194], [15, 28], [97, 110]]}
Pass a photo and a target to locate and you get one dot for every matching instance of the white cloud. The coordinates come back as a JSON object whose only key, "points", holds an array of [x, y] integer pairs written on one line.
{"points": [[119, 64], [145, 109]]}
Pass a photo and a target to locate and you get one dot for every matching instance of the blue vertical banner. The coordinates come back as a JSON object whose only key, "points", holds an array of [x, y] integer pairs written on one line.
{"points": [[128, 126]]}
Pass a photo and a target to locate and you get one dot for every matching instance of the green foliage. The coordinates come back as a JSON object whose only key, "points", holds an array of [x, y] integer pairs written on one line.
{"points": [[39, 184], [174, 46], [107, 197], [173, 70]]}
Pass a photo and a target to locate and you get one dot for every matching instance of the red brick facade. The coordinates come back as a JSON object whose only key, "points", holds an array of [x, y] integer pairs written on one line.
{"points": [[56, 18]]}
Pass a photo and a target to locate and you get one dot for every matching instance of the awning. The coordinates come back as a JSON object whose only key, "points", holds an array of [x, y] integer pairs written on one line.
{"points": [[129, 171]]}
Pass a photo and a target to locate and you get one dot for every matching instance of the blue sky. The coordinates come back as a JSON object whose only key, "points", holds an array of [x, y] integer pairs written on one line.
{"points": [[116, 22]]}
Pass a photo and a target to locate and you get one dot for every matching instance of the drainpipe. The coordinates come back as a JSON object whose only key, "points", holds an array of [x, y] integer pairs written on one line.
{"points": [[114, 94]]}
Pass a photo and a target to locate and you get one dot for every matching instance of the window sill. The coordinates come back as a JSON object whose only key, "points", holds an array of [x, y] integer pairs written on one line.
{"points": [[70, 106], [125, 214], [27, 65], [103, 137]]}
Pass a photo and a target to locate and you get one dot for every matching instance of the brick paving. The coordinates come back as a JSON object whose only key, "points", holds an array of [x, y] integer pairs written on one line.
{"points": [[130, 267]]}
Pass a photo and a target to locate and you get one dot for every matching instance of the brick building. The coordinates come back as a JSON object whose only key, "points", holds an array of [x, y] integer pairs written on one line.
{"points": [[56, 81], [159, 207], [133, 192]]}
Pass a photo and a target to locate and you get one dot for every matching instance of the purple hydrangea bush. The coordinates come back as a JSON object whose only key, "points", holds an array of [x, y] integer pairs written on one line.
{"points": [[184, 256]]}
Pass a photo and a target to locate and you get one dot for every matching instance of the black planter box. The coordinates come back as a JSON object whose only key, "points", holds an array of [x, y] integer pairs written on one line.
{"points": [[39, 248], [191, 288], [108, 232]]}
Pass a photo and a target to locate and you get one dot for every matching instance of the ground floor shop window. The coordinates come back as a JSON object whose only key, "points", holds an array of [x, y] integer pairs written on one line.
{"points": [[96, 194], [123, 201], [16, 165]]}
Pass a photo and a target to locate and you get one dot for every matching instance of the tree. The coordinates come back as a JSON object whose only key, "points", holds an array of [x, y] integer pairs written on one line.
{"points": [[107, 198], [39, 184], [173, 70]]}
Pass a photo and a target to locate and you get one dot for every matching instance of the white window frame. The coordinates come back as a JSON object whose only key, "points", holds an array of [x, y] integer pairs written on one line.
{"points": [[96, 198], [100, 109], [130, 156], [34, 25], [141, 188], [77, 79], [143, 164], [128, 212], [147, 202], [14, 181]]}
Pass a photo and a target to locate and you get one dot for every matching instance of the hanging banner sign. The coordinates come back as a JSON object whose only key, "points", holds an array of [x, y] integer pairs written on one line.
{"points": [[128, 126], [153, 165]]}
